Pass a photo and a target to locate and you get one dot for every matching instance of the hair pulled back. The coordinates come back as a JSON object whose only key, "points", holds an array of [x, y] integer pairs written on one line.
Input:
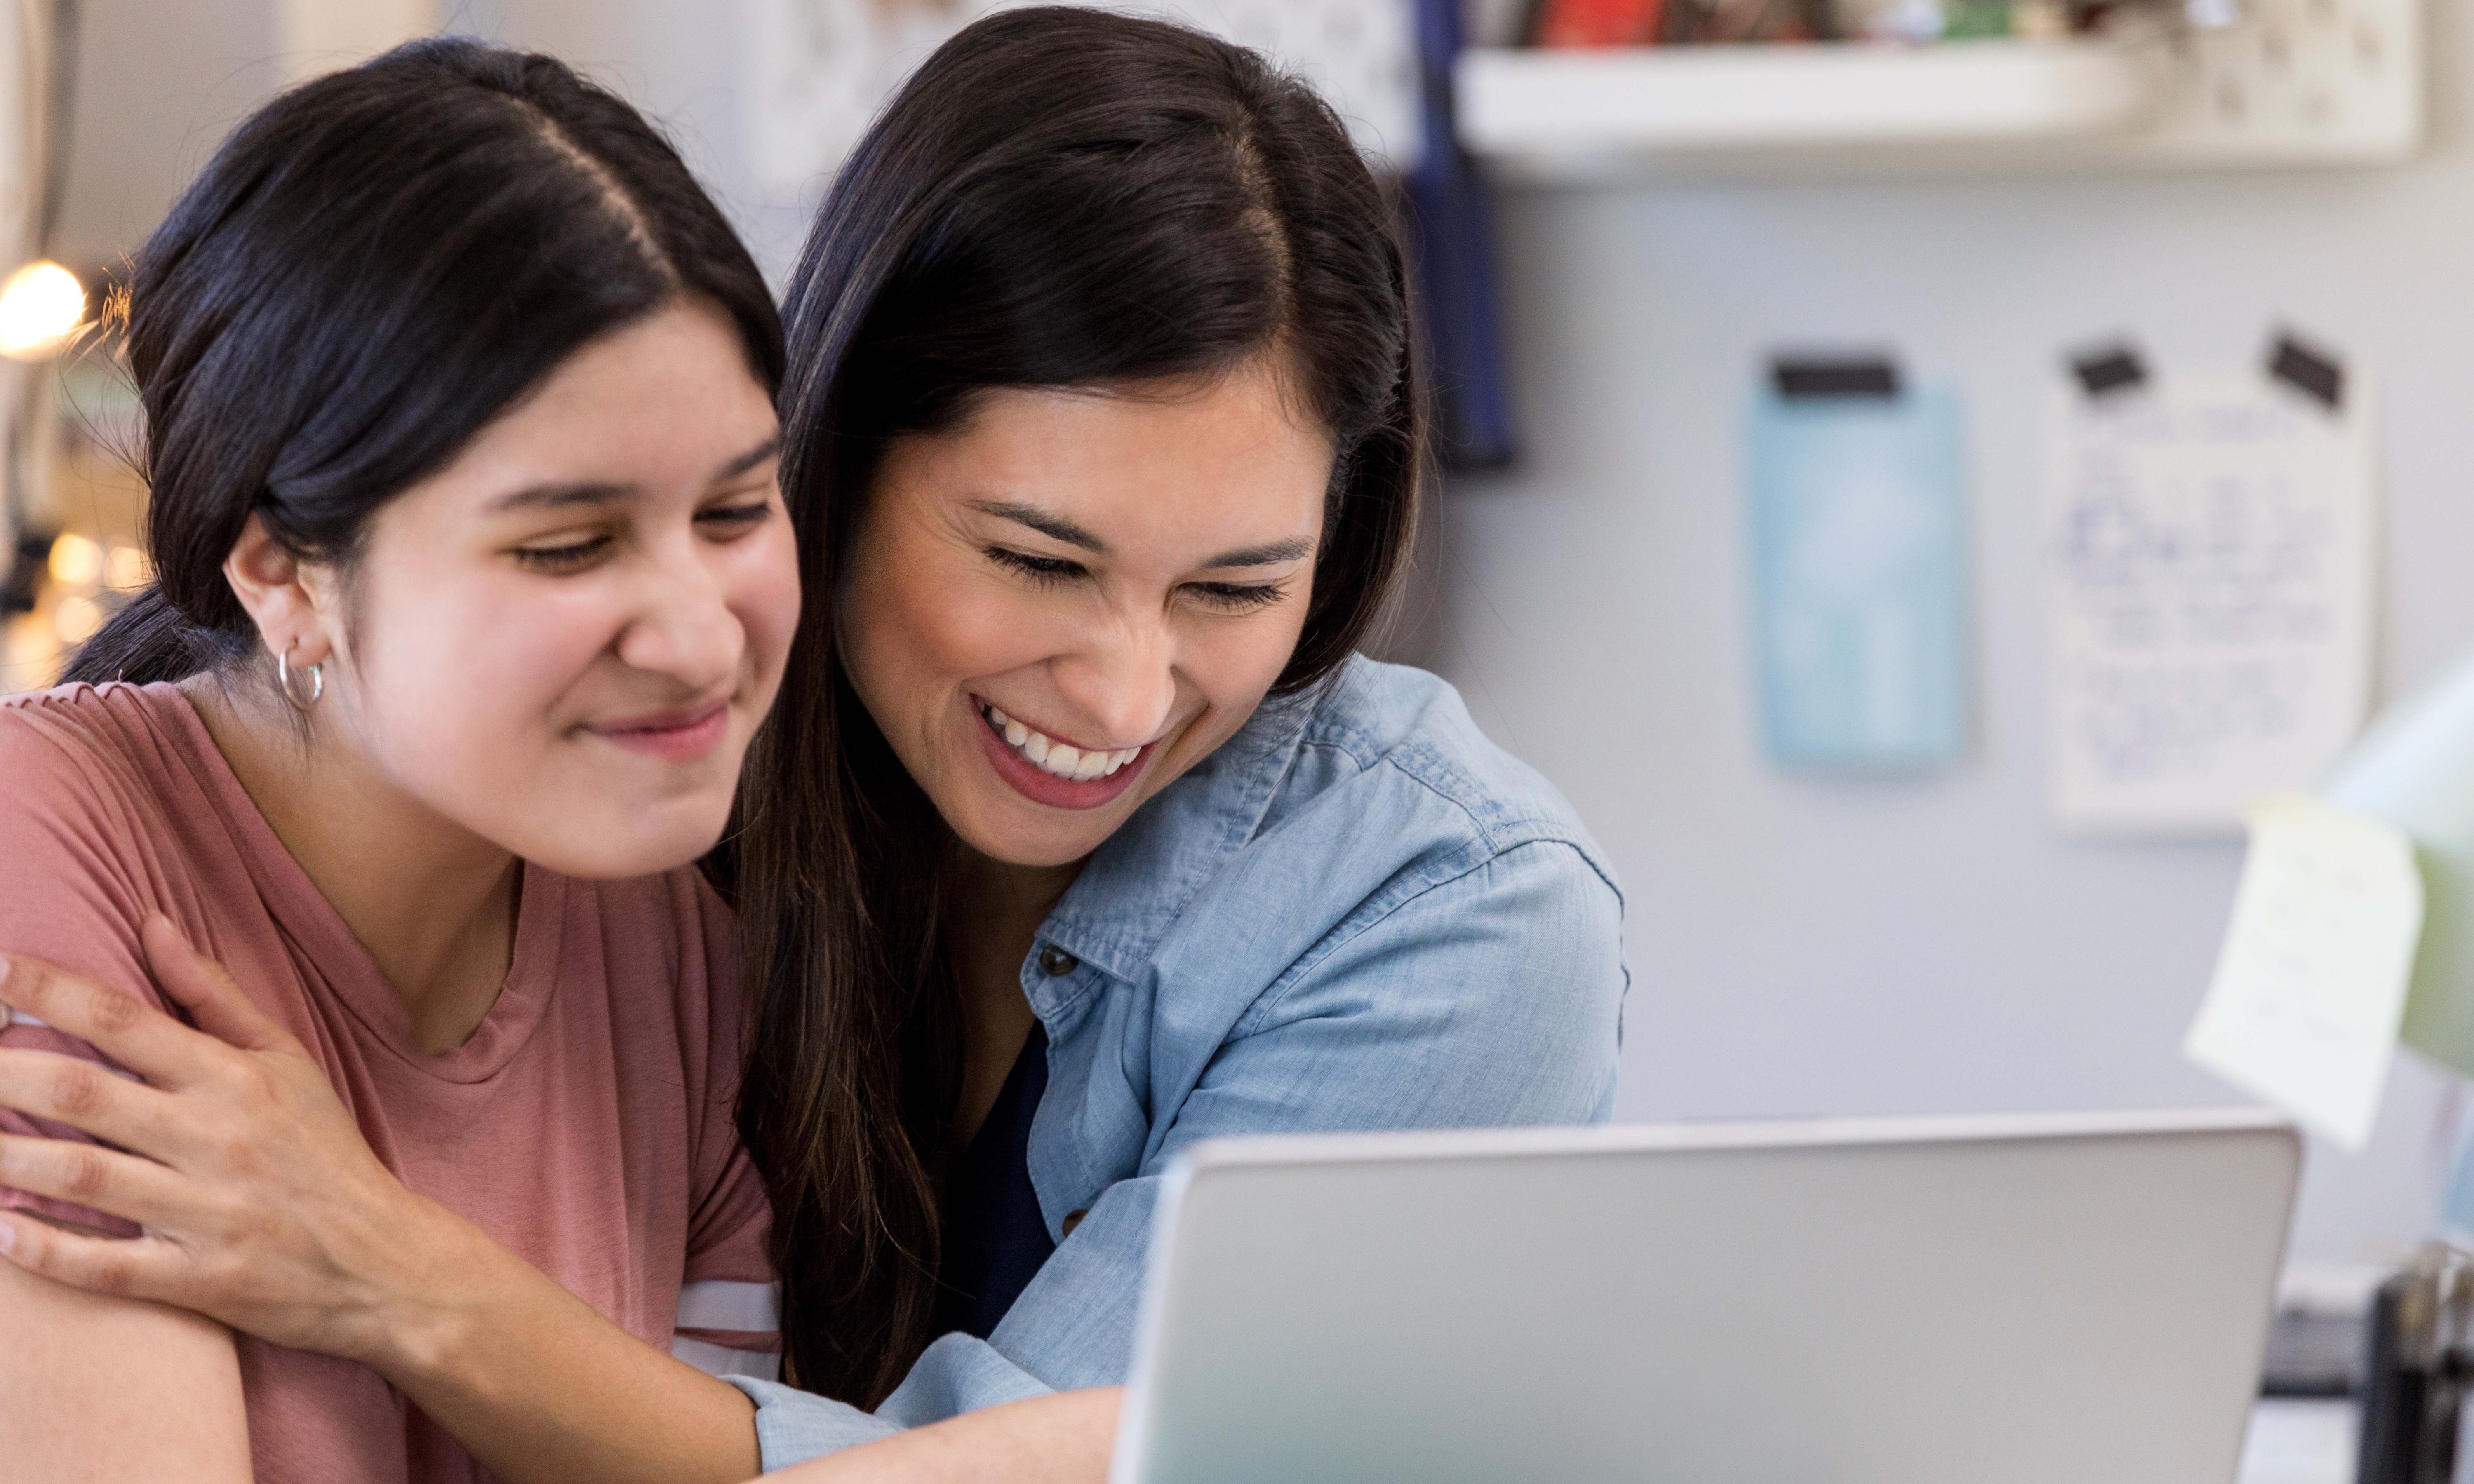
{"points": [[1059, 198], [372, 268]]}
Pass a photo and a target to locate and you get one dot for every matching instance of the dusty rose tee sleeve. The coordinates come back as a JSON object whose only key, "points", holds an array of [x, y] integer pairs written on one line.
{"points": [[75, 884]]}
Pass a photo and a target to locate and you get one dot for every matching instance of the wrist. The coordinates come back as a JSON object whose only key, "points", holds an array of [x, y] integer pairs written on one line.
{"points": [[420, 1318]]}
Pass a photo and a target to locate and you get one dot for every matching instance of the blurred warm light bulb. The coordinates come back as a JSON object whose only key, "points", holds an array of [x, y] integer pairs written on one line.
{"points": [[76, 620], [126, 568], [40, 306], [74, 560]]}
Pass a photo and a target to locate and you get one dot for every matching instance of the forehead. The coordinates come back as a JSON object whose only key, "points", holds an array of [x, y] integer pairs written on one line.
{"points": [[663, 400], [1203, 462]]}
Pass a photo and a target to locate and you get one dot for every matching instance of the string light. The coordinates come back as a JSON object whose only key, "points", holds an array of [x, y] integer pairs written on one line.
{"points": [[127, 569], [76, 560], [40, 306], [76, 620]]}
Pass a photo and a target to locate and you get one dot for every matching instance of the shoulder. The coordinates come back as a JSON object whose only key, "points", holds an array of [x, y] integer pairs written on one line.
{"points": [[1396, 745], [81, 749]]}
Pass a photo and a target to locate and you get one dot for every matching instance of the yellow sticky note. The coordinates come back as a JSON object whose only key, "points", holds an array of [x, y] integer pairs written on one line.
{"points": [[2310, 985]]}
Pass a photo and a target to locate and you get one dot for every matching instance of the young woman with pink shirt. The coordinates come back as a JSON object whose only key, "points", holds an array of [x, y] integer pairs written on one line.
{"points": [[474, 582], [1080, 834]]}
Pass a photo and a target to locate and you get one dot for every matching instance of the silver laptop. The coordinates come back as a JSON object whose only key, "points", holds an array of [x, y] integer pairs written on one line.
{"points": [[2022, 1299]]}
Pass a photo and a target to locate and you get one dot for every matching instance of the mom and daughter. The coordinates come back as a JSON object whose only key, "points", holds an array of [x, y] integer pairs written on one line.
{"points": [[703, 932]]}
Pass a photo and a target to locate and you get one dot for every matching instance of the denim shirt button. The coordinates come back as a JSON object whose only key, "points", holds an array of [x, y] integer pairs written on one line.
{"points": [[1055, 962]]}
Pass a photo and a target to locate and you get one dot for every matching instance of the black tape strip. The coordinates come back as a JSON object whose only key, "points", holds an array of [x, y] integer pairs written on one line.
{"points": [[2307, 370], [2113, 369], [1867, 376]]}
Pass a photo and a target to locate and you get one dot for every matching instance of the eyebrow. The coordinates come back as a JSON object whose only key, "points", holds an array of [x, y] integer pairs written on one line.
{"points": [[1057, 528], [560, 497]]}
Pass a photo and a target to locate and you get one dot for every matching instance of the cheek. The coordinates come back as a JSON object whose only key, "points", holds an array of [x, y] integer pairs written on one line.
{"points": [[1236, 669], [763, 588], [461, 682], [914, 633]]}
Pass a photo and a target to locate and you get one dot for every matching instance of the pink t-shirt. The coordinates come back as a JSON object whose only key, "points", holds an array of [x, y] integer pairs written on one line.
{"points": [[586, 1125]]}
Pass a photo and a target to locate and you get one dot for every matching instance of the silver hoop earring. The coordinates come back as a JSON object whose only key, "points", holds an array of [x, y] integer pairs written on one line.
{"points": [[286, 678]]}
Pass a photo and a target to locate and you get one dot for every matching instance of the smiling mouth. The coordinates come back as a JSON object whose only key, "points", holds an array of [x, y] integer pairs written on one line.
{"points": [[1058, 759], [676, 737]]}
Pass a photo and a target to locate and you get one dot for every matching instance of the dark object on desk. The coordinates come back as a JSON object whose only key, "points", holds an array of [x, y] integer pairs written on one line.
{"points": [[1798, 376], [2417, 1369], [2314, 1354]]}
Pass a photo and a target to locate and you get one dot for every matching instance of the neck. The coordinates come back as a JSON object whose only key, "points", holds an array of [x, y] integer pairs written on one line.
{"points": [[998, 906], [996, 910], [432, 903]]}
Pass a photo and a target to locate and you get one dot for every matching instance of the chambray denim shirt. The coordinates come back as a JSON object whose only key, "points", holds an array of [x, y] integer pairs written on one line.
{"points": [[1358, 916]]}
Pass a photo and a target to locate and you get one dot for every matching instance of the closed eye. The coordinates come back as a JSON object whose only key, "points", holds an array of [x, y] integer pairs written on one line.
{"points": [[1046, 571], [1237, 597], [731, 519], [570, 556]]}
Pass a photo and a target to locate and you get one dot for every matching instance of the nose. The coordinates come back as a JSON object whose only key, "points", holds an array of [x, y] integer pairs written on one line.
{"points": [[1123, 681], [683, 626]]}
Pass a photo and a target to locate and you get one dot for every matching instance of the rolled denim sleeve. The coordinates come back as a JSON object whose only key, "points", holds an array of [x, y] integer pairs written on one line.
{"points": [[1491, 998]]}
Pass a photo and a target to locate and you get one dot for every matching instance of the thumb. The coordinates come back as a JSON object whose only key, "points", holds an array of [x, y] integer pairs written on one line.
{"points": [[206, 991]]}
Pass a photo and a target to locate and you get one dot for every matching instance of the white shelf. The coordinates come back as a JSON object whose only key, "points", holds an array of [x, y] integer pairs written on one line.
{"points": [[2298, 81]]}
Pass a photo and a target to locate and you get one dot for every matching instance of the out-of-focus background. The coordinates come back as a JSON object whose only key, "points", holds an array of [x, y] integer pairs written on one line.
{"points": [[1613, 258]]}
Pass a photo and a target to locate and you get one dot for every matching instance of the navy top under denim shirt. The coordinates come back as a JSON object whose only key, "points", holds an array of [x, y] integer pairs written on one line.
{"points": [[995, 1237], [1357, 914]]}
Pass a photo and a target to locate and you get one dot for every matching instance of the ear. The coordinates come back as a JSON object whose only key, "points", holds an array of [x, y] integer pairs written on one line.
{"points": [[284, 596]]}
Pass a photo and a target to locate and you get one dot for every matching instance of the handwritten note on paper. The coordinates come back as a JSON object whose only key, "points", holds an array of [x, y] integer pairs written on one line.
{"points": [[2212, 546], [2310, 985]]}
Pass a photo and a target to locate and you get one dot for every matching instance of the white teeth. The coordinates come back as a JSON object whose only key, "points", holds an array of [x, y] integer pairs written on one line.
{"points": [[1058, 757]]}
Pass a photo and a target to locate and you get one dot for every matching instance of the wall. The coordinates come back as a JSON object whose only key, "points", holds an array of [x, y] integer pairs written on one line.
{"points": [[1803, 946], [161, 81]]}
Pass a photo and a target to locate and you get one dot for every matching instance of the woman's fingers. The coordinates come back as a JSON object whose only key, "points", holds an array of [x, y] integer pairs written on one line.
{"points": [[205, 990], [87, 1175], [89, 1098], [121, 1026], [99, 1264]]}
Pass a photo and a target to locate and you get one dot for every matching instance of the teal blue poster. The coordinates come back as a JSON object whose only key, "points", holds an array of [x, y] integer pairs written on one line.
{"points": [[1859, 579]]}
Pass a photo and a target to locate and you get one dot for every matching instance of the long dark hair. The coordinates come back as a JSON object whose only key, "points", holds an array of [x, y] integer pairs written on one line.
{"points": [[370, 269], [1059, 198]]}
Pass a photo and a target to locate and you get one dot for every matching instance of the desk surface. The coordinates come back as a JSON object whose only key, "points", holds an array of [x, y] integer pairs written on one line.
{"points": [[2300, 1442]]}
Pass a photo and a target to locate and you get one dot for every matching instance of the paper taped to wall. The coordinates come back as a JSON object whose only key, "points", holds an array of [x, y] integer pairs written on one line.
{"points": [[2310, 985], [2212, 544], [1858, 578]]}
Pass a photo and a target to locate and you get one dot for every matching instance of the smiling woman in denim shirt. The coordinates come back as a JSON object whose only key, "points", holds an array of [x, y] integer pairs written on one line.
{"points": [[1101, 395], [1080, 833]]}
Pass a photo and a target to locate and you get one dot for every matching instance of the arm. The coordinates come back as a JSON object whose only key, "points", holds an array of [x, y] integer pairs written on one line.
{"points": [[360, 1267], [1491, 999], [109, 1389], [1062, 1439]]}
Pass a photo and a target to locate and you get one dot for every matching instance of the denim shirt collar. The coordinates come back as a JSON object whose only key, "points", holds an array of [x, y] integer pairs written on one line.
{"points": [[1142, 878]]}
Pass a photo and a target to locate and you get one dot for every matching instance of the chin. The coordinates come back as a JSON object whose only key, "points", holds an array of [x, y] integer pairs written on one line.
{"points": [[1038, 842], [627, 845]]}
